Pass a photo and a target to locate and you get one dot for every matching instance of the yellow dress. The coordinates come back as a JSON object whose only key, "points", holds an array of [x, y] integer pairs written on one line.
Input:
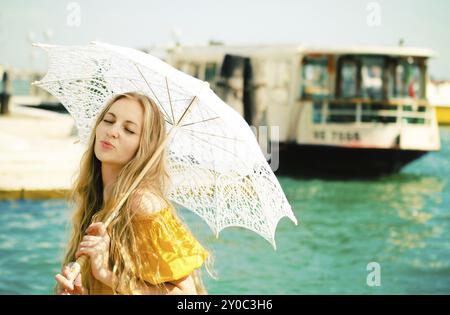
{"points": [[167, 250]]}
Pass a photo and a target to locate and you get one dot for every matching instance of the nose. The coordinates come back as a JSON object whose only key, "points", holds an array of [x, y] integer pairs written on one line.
{"points": [[112, 131]]}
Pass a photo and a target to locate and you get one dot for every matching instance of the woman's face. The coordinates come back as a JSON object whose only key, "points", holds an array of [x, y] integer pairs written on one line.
{"points": [[121, 126]]}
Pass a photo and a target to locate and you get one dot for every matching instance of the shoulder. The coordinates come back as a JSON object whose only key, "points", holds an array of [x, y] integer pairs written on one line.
{"points": [[146, 203]]}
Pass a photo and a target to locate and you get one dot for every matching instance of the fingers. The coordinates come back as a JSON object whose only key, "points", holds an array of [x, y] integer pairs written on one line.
{"points": [[85, 251], [63, 282], [88, 247], [78, 286], [59, 290], [77, 282], [91, 241], [88, 243], [67, 288], [67, 273], [66, 280], [97, 228], [63, 292], [90, 238]]}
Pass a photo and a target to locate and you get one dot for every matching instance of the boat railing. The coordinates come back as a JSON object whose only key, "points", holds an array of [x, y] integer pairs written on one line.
{"points": [[357, 111]]}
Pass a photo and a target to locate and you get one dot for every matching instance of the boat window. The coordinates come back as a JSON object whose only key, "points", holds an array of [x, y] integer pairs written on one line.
{"points": [[412, 80], [407, 79], [413, 114], [414, 120], [210, 71], [349, 78], [378, 113], [341, 113], [372, 77], [315, 84], [378, 119], [317, 112], [399, 85]]}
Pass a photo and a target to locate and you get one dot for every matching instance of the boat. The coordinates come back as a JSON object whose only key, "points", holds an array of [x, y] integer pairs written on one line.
{"points": [[439, 97], [347, 111]]}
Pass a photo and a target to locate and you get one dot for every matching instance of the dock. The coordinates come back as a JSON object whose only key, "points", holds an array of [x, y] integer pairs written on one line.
{"points": [[38, 154]]}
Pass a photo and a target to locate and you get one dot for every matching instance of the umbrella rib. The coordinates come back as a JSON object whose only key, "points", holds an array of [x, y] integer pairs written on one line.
{"points": [[165, 114], [187, 108], [142, 75], [210, 143], [211, 134], [170, 101], [139, 80], [197, 122]]}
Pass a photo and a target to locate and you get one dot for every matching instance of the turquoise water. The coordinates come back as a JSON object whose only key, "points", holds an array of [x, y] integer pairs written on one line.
{"points": [[400, 221]]}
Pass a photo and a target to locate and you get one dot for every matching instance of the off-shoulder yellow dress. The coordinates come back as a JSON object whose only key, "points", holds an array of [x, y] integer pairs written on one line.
{"points": [[167, 250]]}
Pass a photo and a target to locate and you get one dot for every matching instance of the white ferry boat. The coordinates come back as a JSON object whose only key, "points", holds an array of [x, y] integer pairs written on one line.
{"points": [[353, 111]]}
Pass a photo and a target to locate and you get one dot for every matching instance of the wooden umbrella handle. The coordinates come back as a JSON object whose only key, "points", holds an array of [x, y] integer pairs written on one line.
{"points": [[81, 261]]}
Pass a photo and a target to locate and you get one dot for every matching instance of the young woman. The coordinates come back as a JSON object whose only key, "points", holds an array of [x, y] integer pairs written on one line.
{"points": [[146, 249]]}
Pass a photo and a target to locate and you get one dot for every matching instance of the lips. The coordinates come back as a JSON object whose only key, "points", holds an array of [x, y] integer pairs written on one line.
{"points": [[107, 144]]}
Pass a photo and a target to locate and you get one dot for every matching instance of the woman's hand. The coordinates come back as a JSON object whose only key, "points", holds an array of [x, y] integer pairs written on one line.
{"points": [[66, 283], [96, 245]]}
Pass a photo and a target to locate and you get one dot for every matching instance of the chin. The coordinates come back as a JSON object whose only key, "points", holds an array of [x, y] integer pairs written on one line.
{"points": [[99, 155]]}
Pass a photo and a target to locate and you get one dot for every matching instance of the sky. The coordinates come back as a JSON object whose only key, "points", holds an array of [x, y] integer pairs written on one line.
{"points": [[137, 24]]}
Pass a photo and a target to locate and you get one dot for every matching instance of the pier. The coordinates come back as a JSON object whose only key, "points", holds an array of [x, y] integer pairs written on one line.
{"points": [[38, 156]]}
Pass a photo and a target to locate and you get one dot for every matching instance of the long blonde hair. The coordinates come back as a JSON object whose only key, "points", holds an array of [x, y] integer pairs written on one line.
{"points": [[90, 206]]}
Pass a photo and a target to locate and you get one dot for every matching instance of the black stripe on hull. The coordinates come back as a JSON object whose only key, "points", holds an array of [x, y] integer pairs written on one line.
{"points": [[333, 161]]}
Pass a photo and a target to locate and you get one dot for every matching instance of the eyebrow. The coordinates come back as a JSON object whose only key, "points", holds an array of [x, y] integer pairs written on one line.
{"points": [[111, 113]]}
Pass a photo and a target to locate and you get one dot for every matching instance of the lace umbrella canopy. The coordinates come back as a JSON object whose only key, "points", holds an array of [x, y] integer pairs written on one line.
{"points": [[216, 165]]}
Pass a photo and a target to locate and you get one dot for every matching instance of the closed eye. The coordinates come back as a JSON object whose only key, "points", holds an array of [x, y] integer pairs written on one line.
{"points": [[110, 122]]}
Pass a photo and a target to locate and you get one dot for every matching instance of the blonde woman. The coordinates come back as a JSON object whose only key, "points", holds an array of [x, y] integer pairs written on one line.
{"points": [[146, 249]]}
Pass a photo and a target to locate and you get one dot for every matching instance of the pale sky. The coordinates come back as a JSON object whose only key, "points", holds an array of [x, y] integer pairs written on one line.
{"points": [[136, 23]]}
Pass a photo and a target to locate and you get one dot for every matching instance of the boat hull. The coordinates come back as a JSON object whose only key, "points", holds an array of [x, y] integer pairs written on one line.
{"points": [[328, 161]]}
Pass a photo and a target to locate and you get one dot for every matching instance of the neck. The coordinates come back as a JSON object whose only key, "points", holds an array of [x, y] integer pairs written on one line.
{"points": [[109, 174]]}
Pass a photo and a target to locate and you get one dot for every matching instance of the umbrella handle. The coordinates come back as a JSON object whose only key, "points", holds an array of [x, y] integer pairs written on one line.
{"points": [[81, 261]]}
